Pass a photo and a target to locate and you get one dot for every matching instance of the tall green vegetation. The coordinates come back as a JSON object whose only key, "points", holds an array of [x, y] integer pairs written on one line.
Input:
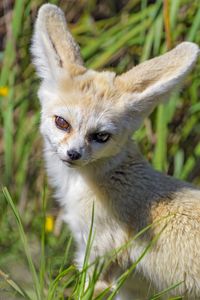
{"points": [[111, 35]]}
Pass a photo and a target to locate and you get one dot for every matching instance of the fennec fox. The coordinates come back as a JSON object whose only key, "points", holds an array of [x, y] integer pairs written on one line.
{"points": [[87, 121]]}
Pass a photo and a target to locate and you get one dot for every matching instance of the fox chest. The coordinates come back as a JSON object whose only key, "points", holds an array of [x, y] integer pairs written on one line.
{"points": [[81, 205], [78, 199], [78, 202]]}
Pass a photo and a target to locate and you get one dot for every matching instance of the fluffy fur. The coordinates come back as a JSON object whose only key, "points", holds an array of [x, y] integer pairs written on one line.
{"points": [[127, 193]]}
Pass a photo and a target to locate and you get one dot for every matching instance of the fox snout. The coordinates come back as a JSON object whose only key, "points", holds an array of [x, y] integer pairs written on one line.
{"points": [[73, 154]]}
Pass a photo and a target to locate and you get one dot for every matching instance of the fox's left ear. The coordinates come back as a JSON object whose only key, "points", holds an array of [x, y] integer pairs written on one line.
{"points": [[53, 46], [150, 82]]}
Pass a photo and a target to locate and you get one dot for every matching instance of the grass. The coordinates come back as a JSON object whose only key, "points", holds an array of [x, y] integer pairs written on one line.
{"points": [[81, 288], [117, 39]]}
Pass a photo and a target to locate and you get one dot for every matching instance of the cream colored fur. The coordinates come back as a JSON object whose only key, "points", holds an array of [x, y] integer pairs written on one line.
{"points": [[127, 193]]}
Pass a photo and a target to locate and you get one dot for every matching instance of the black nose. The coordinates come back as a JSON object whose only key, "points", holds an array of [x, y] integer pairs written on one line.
{"points": [[73, 154]]}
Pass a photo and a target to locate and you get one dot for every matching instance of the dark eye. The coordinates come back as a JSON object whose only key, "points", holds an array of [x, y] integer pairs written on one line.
{"points": [[61, 123], [100, 137]]}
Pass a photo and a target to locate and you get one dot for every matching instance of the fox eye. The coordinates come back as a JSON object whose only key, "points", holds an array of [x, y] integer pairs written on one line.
{"points": [[100, 137], [61, 123]]}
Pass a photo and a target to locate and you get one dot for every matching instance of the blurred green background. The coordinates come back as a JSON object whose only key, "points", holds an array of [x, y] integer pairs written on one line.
{"points": [[112, 34]]}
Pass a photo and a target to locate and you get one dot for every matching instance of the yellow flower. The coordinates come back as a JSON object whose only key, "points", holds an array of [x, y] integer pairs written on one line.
{"points": [[49, 224], [4, 91]]}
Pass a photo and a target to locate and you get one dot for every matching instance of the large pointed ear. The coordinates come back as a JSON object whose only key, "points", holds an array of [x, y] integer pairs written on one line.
{"points": [[150, 82], [53, 47]]}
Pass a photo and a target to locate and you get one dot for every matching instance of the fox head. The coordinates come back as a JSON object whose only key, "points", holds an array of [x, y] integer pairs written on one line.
{"points": [[89, 115]]}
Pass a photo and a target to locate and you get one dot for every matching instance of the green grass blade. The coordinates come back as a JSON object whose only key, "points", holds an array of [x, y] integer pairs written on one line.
{"points": [[42, 255], [195, 29], [160, 153], [55, 282], [178, 163], [86, 259], [24, 243], [164, 292], [66, 255], [14, 285]]}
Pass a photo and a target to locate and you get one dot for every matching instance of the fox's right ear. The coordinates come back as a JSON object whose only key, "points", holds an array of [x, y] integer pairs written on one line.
{"points": [[53, 47]]}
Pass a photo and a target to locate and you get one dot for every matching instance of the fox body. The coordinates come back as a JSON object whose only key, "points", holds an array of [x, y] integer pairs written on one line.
{"points": [[87, 121]]}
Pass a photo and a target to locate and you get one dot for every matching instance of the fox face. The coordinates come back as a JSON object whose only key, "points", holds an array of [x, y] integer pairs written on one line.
{"points": [[89, 116], [83, 119]]}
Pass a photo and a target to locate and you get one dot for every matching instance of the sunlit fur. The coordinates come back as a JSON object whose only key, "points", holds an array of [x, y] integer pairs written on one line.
{"points": [[127, 193]]}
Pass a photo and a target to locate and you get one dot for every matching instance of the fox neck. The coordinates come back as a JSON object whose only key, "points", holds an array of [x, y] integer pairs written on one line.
{"points": [[130, 188], [112, 182]]}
